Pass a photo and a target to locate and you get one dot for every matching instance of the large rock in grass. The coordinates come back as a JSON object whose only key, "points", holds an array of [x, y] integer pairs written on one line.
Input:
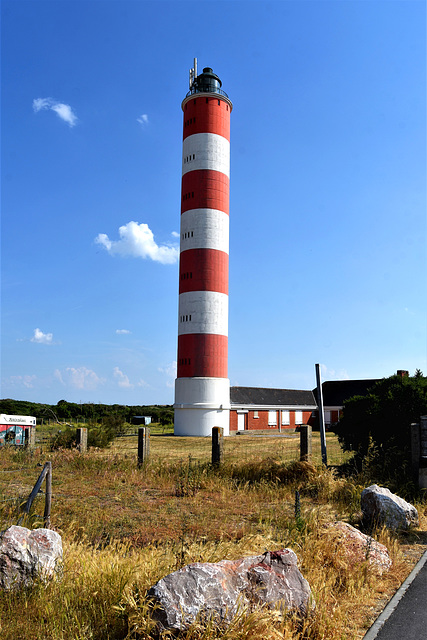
{"points": [[28, 555], [358, 547], [218, 590], [382, 507]]}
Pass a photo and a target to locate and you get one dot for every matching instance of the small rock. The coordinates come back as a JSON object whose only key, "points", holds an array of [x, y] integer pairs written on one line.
{"points": [[218, 590], [359, 547], [26, 555], [380, 506]]}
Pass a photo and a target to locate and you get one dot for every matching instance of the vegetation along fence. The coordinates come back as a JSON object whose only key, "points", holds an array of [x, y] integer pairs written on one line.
{"points": [[287, 448]]}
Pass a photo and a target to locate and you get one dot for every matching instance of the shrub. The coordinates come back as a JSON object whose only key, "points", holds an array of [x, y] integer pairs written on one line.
{"points": [[98, 436], [379, 424]]}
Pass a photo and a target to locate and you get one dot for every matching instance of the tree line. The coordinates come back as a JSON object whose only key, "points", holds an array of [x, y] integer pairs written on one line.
{"points": [[90, 412]]}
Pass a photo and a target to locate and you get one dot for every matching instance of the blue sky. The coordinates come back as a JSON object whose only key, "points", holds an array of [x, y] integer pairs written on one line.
{"points": [[327, 205]]}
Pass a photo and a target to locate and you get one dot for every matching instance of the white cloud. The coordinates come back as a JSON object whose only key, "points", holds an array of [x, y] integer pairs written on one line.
{"points": [[331, 374], [25, 381], [122, 331], [142, 383], [79, 378], [122, 379], [57, 374], [42, 338], [143, 119], [137, 240], [175, 234], [170, 372], [64, 111]]}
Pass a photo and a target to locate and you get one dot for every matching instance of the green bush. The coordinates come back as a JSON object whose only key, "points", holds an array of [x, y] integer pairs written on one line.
{"points": [[379, 424], [98, 436]]}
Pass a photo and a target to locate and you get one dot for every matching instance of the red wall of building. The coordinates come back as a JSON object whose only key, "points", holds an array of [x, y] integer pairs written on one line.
{"points": [[260, 423]]}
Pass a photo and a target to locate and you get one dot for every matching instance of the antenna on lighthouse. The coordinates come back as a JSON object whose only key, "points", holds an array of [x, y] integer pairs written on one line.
{"points": [[193, 73]]}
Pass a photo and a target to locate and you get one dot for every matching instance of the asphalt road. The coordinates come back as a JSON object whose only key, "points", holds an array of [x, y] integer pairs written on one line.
{"points": [[405, 616]]}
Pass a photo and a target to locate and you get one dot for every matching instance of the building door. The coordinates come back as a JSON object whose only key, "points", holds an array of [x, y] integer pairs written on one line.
{"points": [[240, 421]]}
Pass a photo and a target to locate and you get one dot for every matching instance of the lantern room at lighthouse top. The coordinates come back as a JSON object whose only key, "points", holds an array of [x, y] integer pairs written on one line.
{"points": [[206, 82]]}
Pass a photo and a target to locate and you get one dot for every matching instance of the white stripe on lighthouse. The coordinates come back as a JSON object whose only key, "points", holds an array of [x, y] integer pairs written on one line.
{"points": [[206, 151], [204, 229], [203, 312]]}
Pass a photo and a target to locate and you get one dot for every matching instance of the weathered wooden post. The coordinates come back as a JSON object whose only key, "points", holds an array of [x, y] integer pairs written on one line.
{"points": [[81, 438], [48, 496], [30, 438], [415, 450], [422, 473], [143, 445], [217, 445], [305, 440]]}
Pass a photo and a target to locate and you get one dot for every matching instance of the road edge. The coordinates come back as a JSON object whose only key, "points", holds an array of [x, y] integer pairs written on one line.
{"points": [[373, 631]]}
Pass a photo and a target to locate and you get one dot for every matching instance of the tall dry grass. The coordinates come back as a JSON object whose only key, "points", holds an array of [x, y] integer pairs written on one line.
{"points": [[124, 528]]}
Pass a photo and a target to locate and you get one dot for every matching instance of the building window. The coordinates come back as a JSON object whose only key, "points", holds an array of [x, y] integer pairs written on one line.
{"points": [[298, 417], [256, 414], [285, 417], [272, 418]]}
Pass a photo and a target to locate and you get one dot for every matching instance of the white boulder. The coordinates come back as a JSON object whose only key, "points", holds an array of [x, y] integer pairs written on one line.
{"points": [[382, 507], [27, 555]]}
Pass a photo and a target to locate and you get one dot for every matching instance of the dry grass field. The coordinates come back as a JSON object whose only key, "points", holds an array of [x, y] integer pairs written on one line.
{"points": [[125, 527]]}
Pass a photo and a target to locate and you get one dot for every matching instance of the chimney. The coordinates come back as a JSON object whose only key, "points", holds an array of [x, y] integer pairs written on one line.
{"points": [[402, 373]]}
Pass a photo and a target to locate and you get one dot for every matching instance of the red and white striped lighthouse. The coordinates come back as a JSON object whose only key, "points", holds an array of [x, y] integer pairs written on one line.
{"points": [[202, 388]]}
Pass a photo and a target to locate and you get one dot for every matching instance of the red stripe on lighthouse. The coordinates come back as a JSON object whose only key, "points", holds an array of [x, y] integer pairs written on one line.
{"points": [[207, 115], [202, 355], [203, 270], [205, 189]]}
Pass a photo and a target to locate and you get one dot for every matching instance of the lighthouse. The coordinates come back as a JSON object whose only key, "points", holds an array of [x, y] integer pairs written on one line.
{"points": [[202, 387]]}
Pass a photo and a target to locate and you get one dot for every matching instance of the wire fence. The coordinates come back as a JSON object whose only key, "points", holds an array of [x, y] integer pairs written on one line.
{"points": [[243, 448], [250, 446]]}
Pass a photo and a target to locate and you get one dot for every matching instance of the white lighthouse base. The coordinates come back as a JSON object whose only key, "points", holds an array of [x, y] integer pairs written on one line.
{"points": [[200, 405]]}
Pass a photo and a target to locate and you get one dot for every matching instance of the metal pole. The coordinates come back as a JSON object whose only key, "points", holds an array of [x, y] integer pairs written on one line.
{"points": [[27, 506], [321, 415], [48, 496]]}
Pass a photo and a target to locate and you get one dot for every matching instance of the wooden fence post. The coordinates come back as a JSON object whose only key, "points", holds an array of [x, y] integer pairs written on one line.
{"points": [[143, 445], [30, 438], [305, 443], [81, 437], [422, 473], [217, 445], [415, 450]]}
